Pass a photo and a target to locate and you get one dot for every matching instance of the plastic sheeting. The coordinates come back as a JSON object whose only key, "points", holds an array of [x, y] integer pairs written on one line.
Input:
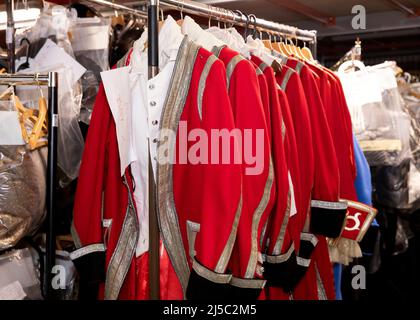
{"points": [[379, 122], [54, 24], [22, 190], [411, 95], [18, 273], [90, 42]]}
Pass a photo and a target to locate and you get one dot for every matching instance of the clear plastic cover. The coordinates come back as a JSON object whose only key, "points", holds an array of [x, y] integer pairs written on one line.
{"points": [[17, 270], [379, 122], [90, 42], [22, 190], [54, 24], [411, 95]]}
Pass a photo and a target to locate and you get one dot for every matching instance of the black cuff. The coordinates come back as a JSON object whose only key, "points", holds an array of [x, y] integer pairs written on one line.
{"points": [[279, 270], [205, 284], [90, 265], [245, 289], [327, 218], [201, 289]]}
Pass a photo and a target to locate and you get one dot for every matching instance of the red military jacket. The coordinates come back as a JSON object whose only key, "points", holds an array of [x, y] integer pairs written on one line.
{"points": [[276, 236], [291, 84], [198, 205], [258, 189], [326, 191]]}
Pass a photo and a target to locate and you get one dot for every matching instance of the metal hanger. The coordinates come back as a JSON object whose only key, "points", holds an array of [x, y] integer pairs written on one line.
{"points": [[250, 17], [25, 65], [180, 21]]}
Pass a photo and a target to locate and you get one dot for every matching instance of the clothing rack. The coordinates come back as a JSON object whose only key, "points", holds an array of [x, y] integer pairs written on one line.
{"points": [[236, 18], [50, 80], [222, 15], [203, 10]]}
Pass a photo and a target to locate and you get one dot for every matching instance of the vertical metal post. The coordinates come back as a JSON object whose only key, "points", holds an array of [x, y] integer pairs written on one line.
{"points": [[51, 181], [154, 238], [10, 36], [314, 45]]}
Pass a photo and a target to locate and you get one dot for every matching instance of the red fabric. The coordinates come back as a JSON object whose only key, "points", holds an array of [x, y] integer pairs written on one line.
{"points": [[265, 98], [248, 110], [326, 181], [280, 167], [303, 133], [339, 120], [207, 194]]}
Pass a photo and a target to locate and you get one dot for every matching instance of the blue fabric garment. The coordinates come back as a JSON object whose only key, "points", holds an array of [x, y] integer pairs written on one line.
{"points": [[363, 186], [338, 268], [363, 181]]}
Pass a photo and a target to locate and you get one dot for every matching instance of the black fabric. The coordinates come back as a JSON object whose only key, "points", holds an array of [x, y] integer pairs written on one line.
{"points": [[91, 270], [306, 248], [201, 289], [367, 245], [282, 274], [327, 222], [243, 294]]}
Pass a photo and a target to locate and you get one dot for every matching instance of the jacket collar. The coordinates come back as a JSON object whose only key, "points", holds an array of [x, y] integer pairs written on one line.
{"points": [[118, 83], [170, 38], [198, 35]]}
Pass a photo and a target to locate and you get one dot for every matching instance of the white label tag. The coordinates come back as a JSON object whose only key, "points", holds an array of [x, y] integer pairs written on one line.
{"points": [[9, 35], [10, 130], [55, 120], [51, 54], [13, 291]]}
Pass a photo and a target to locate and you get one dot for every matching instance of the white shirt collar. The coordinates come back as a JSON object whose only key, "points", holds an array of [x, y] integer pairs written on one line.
{"points": [[198, 35], [232, 39], [170, 39]]}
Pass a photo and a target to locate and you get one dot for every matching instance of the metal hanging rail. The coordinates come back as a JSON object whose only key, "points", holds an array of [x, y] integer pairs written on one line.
{"points": [[225, 15], [50, 80], [217, 13], [121, 7]]}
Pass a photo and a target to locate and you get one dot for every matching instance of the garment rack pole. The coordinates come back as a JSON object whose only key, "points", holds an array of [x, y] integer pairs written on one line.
{"points": [[153, 67], [120, 7], [50, 80], [53, 122], [223, 15], [10, 36]]}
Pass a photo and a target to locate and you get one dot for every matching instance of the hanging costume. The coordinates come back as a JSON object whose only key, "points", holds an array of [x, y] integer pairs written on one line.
{"points": [[258, 188], [195, 201]]}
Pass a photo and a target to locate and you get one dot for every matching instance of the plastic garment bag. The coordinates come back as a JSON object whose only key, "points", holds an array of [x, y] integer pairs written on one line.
{"points": [[411, 95], [90, 42], [53, 25], [19, 278], [376, 108], [22, 190]]}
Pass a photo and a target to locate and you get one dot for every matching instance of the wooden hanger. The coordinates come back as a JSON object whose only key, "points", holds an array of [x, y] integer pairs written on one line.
{"points": [[38, 119], [267, 43], [284, 49], [306, 52]]}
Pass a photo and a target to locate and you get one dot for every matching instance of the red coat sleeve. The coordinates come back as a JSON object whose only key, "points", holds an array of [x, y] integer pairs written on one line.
{"points": [[258, 185]]}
